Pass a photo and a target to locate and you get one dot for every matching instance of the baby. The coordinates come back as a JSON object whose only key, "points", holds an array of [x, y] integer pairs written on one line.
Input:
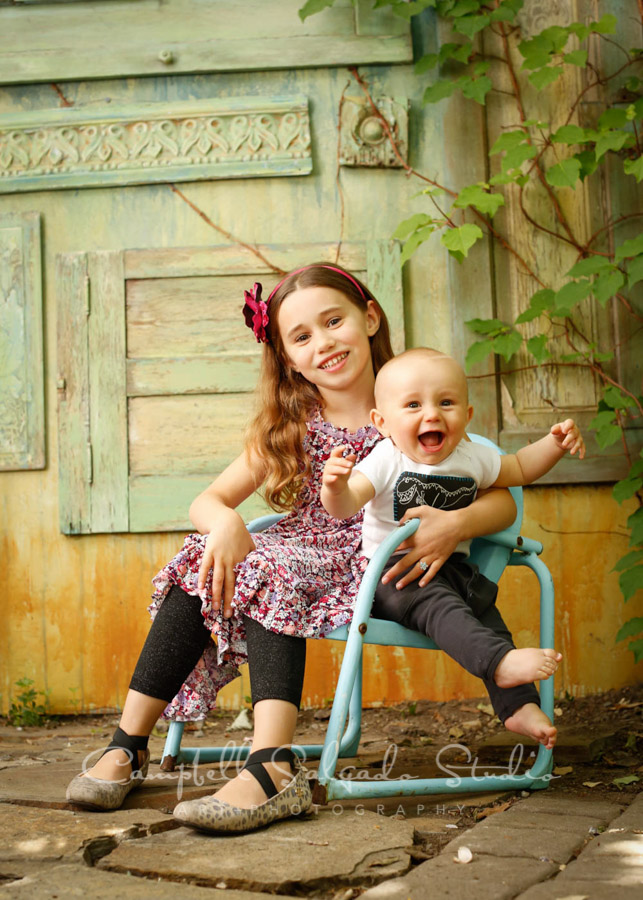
{"points": [[422, 410]]}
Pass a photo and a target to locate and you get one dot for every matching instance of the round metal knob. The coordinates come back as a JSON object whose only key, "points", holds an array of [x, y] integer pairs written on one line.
{"points": [[166, 56]]}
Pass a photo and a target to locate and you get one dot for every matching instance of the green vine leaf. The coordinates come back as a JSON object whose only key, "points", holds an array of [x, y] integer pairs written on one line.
{"points": [[616, 399], [419, 237], [516, 157], [634, 167], [471, 25], [542, 77], [635, 523], [605, 25], [631, 581], [540, 301], [611, 140], [588, 163], [612, 118], [537, 346], [487, 326], [507, 345], [635, 271], [576, 58], [459, 241], [475, 195], [569, 134], [629, 629], [626, 488], [607, 284], [408, 226], [634, 556], [507, 141], [592, 265], [633, 247], [571, 294], [607, 432], [477, 352], [564, 174], [438, 91], [311, 7], [475, 88]]}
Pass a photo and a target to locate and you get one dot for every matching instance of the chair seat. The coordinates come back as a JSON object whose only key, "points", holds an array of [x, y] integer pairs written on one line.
{"points": [[386, 633]]}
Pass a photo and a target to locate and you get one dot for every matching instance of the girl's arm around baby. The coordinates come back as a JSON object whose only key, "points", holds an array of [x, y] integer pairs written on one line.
{"points": [[340, 497], [533, 461]]}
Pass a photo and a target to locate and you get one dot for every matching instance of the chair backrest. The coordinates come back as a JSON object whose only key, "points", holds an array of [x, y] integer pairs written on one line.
{"points": [[491, 558]]}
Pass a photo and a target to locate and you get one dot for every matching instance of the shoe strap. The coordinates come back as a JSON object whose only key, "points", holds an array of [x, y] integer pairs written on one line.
{"points": [[254, 764], [131, 743]]}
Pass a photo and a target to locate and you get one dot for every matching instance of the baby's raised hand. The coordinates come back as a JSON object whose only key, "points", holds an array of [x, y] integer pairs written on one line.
{"points": [[337, 470], [568, 437]]}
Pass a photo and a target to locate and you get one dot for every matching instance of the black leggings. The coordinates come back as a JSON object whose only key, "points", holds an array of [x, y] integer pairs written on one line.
{"points": [[179, 636]]}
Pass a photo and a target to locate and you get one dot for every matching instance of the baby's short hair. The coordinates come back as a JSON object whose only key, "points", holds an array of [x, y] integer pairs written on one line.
{"points": [[425, 352]]}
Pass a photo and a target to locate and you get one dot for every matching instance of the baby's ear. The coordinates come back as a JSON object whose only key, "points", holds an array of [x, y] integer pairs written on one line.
{"points": [[469, 414], [378, 420]]}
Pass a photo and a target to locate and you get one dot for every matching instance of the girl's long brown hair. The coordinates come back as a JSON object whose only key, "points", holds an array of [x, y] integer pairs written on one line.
{"points": [[286, 399]]}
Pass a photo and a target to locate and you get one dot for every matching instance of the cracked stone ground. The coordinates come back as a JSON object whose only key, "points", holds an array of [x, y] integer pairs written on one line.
{"points": [[387, 848]]}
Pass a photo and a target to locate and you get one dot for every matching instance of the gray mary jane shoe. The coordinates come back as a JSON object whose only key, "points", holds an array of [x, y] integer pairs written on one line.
{"points": [[99, 794], [213, 815]]}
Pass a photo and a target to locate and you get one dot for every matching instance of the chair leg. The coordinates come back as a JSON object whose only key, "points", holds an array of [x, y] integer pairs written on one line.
{"points": [[172, 747], [350, 740]]}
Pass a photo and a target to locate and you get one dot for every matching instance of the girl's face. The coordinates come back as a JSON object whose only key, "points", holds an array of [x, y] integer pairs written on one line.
{"points": [[326, 337]]}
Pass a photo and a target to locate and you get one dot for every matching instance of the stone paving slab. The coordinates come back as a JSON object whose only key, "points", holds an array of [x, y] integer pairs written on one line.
{"points": [[42, 833], [485, 878], [633, 815], [581, 890], [78, 880], [45, 785], [553, 804], [551, 845], [520, 817], [324, 851]]}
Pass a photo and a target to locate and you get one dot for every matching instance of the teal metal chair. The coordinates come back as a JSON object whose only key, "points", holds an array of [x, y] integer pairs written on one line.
{"points": [[492, 554]]}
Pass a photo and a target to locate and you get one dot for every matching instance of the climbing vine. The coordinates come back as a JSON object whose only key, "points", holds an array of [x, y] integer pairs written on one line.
{"points": [[485, 48]]}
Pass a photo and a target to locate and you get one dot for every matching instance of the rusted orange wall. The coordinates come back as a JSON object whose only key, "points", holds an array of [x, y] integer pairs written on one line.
{"points": [[81, 641]]}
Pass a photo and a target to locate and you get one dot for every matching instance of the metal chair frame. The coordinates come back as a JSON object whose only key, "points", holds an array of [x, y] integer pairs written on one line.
{"points": [[491, 553]]}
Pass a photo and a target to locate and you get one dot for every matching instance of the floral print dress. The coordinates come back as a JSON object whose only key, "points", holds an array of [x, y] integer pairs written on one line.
{"points": [[302, 579]]}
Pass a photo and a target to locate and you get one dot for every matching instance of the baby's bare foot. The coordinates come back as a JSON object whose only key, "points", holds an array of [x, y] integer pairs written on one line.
{"points": [[525, 666], [530, 721]]}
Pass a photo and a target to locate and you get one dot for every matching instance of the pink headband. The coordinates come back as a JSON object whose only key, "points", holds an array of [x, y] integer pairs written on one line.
{"points": [[255, 310]]}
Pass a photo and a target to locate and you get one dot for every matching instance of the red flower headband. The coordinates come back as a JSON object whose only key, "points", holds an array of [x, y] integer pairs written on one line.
{"points": [[255, 310]]}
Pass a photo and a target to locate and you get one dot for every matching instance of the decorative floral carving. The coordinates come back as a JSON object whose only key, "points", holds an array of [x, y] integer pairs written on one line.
{"points": [[145, 143]]}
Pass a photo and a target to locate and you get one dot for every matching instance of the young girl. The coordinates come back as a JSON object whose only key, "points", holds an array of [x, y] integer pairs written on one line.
{"points": [[325, 337]]}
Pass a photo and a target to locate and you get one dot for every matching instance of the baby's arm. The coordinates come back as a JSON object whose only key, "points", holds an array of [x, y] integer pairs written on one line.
{"points": [[340, 497], [533, 461]]}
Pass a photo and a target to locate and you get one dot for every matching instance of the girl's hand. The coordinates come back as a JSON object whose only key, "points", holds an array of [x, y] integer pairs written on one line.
{"points": [[337, 470], [433, 543], [568, 437], [227, 544]]}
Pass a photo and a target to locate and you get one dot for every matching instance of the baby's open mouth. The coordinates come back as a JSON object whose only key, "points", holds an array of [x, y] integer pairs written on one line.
{"points": [[432, 440]]}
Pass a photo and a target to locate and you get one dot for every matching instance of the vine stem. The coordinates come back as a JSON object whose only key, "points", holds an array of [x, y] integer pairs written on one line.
{"points": [[225, 233], [411, 171]]}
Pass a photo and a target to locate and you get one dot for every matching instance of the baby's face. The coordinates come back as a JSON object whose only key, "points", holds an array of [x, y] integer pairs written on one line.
{"points": [[422, 406]]}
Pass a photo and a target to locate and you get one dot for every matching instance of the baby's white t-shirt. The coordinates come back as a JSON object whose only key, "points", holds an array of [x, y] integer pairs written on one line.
{"points": [[401, 483]]}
